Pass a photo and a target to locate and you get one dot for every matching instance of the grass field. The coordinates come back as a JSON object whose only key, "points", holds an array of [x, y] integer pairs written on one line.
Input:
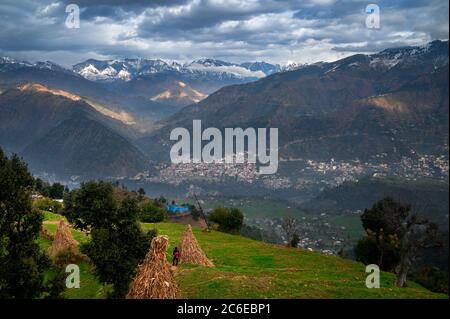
{"points": [[245, 268]]}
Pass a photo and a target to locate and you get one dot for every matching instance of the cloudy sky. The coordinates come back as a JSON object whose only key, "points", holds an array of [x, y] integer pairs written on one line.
{"points": [[278, 31]]}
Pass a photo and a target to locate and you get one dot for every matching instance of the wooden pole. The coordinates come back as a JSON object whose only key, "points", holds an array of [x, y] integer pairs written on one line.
{"points": [[202, 212]]}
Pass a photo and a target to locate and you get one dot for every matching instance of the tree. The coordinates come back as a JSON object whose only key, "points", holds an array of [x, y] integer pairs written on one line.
{"points": [[393, 237], [230, 220], [295, 240], [289, 226], [117, 242], [56, 191], [433, 279], [151, 213], [382, 224], [141, 193], [46, 204], [418, 233], [22, 264], [195, 213]]}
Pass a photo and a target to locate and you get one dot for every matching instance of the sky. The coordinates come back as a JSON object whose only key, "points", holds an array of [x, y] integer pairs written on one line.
{"points": [[276, 31]]}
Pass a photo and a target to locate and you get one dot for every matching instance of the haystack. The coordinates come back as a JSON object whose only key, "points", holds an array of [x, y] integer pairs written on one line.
{"points": [[190, 251], [63, 240], [153, 279], [47, 235]]}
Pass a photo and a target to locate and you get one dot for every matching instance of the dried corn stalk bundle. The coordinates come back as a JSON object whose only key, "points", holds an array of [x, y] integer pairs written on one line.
{"points": [[63, 240], [190, 251], [47, 235], [153, 279]]}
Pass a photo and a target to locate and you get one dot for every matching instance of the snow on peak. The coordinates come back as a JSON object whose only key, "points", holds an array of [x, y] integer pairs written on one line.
{"points": [[231, 69]]}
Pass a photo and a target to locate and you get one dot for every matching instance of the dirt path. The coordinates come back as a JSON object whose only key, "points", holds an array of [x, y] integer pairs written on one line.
{"points": [[51, 222]]}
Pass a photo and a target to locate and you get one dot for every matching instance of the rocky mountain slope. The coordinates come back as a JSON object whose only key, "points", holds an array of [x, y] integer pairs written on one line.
{"points": [[390, 104]]}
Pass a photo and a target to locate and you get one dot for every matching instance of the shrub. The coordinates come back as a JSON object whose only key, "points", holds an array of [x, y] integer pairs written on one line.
{"points": [[229, 220], [68, 256], [295, 240], [433, 279], [150, 213], [48, 204]]}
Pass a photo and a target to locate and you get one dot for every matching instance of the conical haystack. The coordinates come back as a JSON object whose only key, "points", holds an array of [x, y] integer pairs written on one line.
{"points": [[47, 235], [63, 240], [153, 279], [190, 251]]}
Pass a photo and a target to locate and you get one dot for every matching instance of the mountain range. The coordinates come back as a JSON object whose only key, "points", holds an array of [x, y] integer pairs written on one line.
{"points": [[379, 107], [150, 79], [128, 69], [393, 103]]}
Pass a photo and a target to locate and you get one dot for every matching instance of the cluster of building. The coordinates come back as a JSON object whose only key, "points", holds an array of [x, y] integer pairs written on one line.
{"points": [[177, 173], [315, 233], [305, 174]]}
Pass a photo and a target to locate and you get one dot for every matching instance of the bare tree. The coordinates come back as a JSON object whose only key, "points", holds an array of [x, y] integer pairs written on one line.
{"points": [[289, 226], [418, 233]]}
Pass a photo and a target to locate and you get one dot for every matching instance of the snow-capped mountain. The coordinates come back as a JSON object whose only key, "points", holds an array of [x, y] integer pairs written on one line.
{"points": [[8, 63], [264, 67], [123, 69], [5, 60], [222, 69], [393, 56], [127, 69]]}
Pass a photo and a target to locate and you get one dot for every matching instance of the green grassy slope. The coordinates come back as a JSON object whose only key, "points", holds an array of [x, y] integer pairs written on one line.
{"points": [[245, 268]]}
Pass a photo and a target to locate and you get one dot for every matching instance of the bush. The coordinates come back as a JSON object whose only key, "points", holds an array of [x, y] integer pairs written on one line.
{"points": [[48, 204], [55, 191], [68, 256], [229, 220], [150, 213], [433, 279], [295, 240]]}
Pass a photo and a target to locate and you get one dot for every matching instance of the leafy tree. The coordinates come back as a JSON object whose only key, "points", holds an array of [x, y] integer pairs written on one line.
{"points": [[141, 193], [161, 200], [47, 204], [230, 220], [117, 242], [56, 191], [382, 223], [22, 264], [151, 213], [40, 185]]}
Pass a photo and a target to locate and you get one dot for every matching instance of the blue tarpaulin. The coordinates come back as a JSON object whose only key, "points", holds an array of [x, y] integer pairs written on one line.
{"points": [[177, 208]]}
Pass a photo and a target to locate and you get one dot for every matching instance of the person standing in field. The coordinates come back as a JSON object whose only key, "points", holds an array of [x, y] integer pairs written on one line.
{"points": [[175, 257]]}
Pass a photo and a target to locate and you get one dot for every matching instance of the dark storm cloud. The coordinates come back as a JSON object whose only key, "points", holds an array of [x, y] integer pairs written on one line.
{"points": [[119, 9], [274, 30]]}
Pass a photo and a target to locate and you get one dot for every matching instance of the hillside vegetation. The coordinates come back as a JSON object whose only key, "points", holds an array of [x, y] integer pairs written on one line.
{"points": [[246, 268]]}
